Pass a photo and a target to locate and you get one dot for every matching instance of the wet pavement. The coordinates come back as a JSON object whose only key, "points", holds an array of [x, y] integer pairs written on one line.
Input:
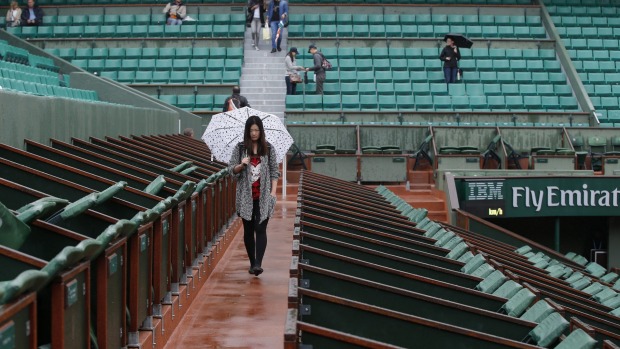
{"points": [[236, 310]]}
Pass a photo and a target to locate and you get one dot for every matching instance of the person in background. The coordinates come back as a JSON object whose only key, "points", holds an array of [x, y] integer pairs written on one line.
{"points": [[13, 15], [256, 16], [450, 55], [175, 12], [236, 96], [292, 77], [32, 15], [319, 71], [189, 132], [253, 165], [277, 13]]}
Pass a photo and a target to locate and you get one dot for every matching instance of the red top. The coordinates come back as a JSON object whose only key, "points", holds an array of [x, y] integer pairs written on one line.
{"points": [[255, 166]]}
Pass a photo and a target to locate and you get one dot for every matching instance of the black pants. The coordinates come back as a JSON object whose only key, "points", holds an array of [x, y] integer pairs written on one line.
{"points": [[255, 247], [291, 87]]}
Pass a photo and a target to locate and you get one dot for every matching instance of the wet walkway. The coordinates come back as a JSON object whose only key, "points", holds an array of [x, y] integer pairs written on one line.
{"points": [[235, 310]]}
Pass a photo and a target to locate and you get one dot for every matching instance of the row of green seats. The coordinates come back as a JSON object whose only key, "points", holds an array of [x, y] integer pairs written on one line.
{"points": [[588, 8], [606, 103], [430, 102], [422, 2], [596, 66], [588, 31], [604, 90], [26, 69], [40, 79], [122, 2], [435, 76], [431, 53], [610, 116], [135, 31], [130, 19], [412, 31], [425, 88], [413, 19], [599, 78], [586, 21], [592, 44], [166, 77], [436, 123], [150, 64], [595, 55], [48, 90], [147, 52], [196, 102]]}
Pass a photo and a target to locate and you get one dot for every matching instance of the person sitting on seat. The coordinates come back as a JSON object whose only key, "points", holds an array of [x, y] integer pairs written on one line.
{"points": [[175, 12], [32, 15], [13, 15]]}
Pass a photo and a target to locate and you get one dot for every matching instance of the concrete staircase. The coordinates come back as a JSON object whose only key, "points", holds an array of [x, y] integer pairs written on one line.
{"points": [[262, 76]]}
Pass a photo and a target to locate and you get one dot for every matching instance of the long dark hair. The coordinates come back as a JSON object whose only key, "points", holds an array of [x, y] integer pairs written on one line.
{"points": [[290, 54], [247, 140]]}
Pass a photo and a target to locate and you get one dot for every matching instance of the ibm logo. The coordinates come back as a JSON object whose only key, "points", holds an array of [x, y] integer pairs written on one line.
{"points": [[485, 191]]}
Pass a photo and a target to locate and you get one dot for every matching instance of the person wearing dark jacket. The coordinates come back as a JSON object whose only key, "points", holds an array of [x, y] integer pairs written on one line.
{"points": [[236, 96], [450, 55], [32, 15], [317, 68]]}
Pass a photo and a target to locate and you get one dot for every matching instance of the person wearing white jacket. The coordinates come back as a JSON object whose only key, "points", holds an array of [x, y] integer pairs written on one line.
{"points": [[292, 76], [175, 12]]}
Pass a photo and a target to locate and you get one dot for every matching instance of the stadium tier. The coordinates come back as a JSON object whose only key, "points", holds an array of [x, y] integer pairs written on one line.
{"points": [[344, 25], [412, 79], [27, 73], [590, 34]]}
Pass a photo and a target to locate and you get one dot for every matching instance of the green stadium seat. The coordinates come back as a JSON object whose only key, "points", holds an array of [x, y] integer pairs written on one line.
{"points": [[126, 76], [341, 18], [313, 102], [331, 102], [369, 77], [359, 18], [178, 77], [387, 102], [59, 32], [161, 77], [205, 102], [368, 102], [112, 65], [172, 31], [212, 77], [147, 64], [328, 30], [381, 64], [154, 31], [94, 19], [143, 77], [351, 102], [478, 102], [385, 88]]}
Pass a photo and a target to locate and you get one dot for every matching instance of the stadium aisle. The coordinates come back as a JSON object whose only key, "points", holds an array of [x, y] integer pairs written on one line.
{"points": [[235, 309]]}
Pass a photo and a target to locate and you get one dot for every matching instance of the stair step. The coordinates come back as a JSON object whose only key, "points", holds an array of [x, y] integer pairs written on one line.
{"points": [[262, 90]]}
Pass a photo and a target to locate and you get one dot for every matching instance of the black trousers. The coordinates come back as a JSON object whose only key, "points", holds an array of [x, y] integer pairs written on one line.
{"points": [[255, 246]]}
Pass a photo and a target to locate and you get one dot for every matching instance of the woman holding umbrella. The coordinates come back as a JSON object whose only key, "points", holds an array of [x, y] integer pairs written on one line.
{"points": [[450, 55], [253, 164]]}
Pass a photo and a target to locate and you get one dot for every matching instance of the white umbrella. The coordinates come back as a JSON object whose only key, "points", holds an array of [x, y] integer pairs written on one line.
{"points": [[225, 131]]}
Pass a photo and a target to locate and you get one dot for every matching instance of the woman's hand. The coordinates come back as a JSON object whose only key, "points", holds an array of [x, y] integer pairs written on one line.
{"points": [[245, 161], [274, 195], [448, 58]]}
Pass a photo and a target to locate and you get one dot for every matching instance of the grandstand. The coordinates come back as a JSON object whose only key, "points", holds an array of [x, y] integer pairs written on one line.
{"points": [[476, 214]]}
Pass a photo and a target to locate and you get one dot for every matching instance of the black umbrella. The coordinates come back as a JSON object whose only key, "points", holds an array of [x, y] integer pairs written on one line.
{"points": [[459, 40]]}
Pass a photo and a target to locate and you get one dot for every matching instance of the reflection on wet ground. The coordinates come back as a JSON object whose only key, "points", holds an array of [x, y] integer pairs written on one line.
{"points": [[237, 310]]}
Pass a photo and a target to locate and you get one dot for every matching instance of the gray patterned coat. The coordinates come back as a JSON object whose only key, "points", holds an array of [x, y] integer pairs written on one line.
{"points": [[268, 173]]}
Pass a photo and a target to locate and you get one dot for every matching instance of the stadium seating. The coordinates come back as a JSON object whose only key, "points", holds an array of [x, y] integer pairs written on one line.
{"points": [[218, 65], [494, 80], [590, 34], [23, 72], [414, 25]]}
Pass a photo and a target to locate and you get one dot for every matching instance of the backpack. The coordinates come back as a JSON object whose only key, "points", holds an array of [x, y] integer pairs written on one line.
{"points": [[326, 64], [233, 104]]}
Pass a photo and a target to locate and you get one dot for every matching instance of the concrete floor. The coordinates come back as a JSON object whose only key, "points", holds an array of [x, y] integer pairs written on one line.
{"points": [[236, 310]]}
